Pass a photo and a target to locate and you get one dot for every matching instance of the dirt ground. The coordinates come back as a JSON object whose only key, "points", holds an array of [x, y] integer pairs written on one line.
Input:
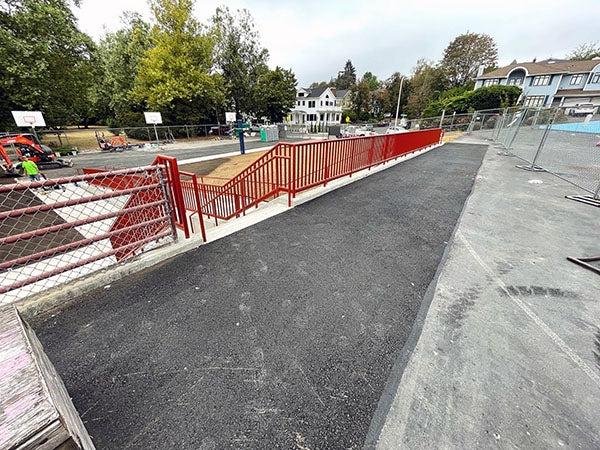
{"points": [[223, 169]]}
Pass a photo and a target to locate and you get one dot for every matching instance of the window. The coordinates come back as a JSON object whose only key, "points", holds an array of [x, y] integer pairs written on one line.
{"points": [[543, 80], [311, 103], [327, 96], [576, 79], [491, 81], [322, 117], [535, 100], [298, 102], [321, 102], [595, 78], [300, 94], [303, 101], [515, 81]]}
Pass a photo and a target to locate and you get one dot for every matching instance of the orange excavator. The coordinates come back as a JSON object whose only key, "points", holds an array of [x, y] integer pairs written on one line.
{"points": [[15, 148]]}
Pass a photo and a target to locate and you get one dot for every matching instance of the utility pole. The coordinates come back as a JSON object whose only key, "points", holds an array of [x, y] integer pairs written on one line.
{"points": [[398, 105]]}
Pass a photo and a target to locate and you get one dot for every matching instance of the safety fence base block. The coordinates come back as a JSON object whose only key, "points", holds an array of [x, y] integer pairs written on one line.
{"points": [[587, 199], [585, 262], [530, 168]]}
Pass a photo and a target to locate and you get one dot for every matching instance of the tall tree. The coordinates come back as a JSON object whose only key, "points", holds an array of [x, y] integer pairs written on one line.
{"points": [[175, 74], [347, 77], [275, 94], [465, 54], [585, 51], [371, 81], [392, 87], [361, 97], [45, 61], [426, 84], [239, 56], [118, 59]]}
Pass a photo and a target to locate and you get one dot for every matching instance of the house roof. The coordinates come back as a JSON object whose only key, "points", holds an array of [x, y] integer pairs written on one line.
{"points": [[341, 93], [316, 92], [545, 67], [576, 93]]}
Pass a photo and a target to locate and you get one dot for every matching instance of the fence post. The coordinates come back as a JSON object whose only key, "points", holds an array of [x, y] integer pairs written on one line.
{"points": [[187, 132], [472, 123], [514, 136], [533, 167], [597, 193]]}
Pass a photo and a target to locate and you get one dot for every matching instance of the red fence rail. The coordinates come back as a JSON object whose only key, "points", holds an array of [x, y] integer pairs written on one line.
{"points": [[294, 167]]}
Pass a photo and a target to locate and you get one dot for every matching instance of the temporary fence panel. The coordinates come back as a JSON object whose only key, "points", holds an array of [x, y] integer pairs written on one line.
{"points": [[572, 150], [54, 231]]}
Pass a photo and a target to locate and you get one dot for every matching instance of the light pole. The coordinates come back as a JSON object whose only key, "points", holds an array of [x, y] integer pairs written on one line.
{"points": [[398, 105]]}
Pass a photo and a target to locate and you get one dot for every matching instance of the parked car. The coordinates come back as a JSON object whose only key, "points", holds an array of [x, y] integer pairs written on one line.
{"points": [[353, 131], [395, 129], [582, 109]]}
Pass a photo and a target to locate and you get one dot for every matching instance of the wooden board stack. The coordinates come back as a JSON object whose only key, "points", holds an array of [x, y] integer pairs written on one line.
{"points": [[36, 411]]}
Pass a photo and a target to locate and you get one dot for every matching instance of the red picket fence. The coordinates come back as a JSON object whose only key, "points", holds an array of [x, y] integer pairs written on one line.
{"points": [[294, 167]]}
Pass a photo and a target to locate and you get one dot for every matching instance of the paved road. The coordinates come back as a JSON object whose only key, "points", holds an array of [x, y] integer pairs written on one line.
{"points": [[279, 336], [137, 157]]}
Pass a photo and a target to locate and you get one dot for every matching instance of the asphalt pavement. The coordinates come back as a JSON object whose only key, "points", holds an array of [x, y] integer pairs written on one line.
{"points": [[140, 157], [281, 335]]}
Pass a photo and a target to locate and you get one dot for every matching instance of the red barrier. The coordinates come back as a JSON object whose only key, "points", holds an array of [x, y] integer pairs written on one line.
{"points": [[294, 167]]}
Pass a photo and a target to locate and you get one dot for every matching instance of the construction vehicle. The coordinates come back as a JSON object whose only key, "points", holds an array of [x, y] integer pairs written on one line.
{"points": [[115, 143], [15, 148]]}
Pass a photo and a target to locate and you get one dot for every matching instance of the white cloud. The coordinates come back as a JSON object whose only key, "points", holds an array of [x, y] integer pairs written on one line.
{"points": [[315, 38]]}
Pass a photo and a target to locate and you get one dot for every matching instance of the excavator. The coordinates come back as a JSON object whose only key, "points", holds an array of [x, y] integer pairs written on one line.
{"points": [[15, 148]]}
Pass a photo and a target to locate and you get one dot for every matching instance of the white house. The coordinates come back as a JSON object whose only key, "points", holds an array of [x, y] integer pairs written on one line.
{"points": [[319, 105]]}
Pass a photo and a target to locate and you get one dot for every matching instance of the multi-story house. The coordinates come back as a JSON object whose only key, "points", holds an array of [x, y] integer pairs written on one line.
{"points": [[552, 82], [318, 106]]}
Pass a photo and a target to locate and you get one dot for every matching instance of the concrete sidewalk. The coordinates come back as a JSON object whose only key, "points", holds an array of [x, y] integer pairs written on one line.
{"points": [[509, 354]]}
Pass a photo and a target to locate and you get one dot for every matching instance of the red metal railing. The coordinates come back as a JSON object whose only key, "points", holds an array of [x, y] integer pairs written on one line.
{"points": [[294, 167]]}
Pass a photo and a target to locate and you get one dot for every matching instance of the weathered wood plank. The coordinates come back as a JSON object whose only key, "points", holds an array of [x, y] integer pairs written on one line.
{"points": [[35, 408]]}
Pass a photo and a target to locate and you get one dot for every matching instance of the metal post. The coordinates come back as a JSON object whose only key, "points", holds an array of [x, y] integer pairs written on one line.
{"points": [[597, 193], [398, 104], [442, 118], [472, 123], [452, 121], [514, 136], [35, 134], [241, 136], [156, 135]]}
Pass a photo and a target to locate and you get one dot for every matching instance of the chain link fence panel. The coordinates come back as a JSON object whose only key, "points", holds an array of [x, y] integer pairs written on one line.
{"points": [[54, 231]]}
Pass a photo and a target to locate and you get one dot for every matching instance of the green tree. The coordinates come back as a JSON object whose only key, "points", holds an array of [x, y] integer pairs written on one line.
{"points": [[490, 97], [275, 94], [118, 59], [45, 61], [584, 52], [239, 56], [174, 75], [371, 81], [392, 88], [465, 54], [347, 77], [361, 100], [427, 82]]}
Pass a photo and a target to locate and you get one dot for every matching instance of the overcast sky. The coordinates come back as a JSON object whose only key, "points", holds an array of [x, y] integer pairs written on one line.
{"points": [[314, 37]]}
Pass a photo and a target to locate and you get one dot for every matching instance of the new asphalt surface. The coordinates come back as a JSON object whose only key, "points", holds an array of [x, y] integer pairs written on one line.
{"points": [[281, 335]]}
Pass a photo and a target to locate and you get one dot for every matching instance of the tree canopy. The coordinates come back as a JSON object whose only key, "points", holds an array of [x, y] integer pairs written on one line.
{"points": [[585, 51], [465, 54], [191, 72]]}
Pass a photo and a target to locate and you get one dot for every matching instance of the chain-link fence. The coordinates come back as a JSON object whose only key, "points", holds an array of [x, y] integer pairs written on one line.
{"points": [[53, 231], [552, 140]]}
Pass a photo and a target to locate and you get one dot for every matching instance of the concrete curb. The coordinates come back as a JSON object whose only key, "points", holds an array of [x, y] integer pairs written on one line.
{"points": [[60, 296]]}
